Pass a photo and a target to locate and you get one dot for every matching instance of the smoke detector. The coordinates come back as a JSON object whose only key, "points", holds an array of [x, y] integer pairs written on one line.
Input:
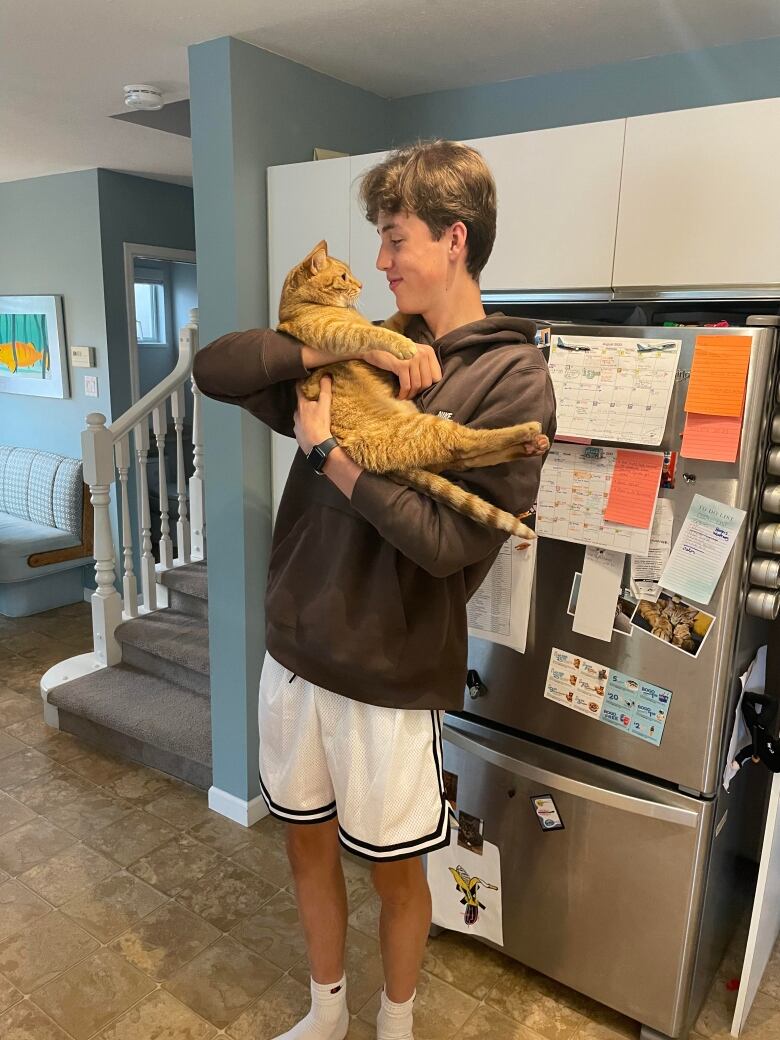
{"points": [[140, 96]]}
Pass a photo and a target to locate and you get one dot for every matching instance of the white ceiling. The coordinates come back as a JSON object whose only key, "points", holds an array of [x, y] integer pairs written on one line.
{"points": [[64, 64]]}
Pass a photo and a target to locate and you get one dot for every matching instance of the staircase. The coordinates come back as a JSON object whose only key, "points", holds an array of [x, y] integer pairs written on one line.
{"points": [[154, 706], [144, 691]]}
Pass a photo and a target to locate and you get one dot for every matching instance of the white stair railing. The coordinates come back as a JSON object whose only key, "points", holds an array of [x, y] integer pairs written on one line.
{"points": [[106, 452]]}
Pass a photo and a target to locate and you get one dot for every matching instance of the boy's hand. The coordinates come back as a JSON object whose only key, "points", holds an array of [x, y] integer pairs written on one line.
{"points": [[414, 374], [312, 418]]}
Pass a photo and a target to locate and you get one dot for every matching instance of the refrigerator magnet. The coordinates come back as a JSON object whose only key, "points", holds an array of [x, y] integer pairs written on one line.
{"points": [[547, 812], [451, 790], [470, 832]]}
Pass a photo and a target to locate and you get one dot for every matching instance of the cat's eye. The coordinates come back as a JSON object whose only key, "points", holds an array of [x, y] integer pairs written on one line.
{"points": [[344, 276]]}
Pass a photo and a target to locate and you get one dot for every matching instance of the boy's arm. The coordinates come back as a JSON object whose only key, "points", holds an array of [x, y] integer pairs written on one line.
{"points": [[439, 539], [257, 369]]}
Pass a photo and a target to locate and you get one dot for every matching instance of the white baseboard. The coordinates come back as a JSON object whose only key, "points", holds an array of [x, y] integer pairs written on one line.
{"points": [[237, 809]]}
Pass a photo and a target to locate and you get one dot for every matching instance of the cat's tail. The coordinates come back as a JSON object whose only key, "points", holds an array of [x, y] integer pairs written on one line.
{"points": [[465, 502]]}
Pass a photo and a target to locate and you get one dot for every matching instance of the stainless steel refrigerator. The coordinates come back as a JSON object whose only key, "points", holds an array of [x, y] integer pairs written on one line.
{"points": [[632, 901]]}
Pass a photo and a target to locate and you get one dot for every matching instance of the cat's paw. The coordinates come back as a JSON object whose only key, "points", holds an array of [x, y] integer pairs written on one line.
{"points": [[527, 431], [537, 445], [404, 350]]}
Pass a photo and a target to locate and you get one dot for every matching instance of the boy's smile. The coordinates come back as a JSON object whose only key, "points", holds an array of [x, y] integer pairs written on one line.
{"points": [[413, 262], [428, 276]]}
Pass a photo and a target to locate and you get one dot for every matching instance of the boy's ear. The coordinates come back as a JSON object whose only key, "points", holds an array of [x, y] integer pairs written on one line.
{"points": [[317, 257]]}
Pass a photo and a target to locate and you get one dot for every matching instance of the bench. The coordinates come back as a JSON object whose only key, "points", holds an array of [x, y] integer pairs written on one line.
{"points": [[46, 530]]}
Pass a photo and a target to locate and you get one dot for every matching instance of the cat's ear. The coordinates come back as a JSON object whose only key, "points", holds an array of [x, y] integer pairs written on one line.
{"points": [[317, 258]]}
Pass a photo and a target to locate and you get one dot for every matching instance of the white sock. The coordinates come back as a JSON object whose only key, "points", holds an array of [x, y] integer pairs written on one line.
{"points": [[328, 1018], [394, 1021]]}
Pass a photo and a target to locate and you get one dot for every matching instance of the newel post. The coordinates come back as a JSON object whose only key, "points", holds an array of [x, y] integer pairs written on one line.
{"points": [[97, 451]]}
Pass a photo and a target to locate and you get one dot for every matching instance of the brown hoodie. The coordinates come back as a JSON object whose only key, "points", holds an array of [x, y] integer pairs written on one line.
{"points": [[367, 596]]}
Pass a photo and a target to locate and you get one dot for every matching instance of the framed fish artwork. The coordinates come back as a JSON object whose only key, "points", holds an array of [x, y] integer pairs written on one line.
{"points": [[33, 358]]}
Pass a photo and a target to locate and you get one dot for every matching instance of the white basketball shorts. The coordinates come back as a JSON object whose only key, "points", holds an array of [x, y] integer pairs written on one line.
{"points": [[377, 770]]}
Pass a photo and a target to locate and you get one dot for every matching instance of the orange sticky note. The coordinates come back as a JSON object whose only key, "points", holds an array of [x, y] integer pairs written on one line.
{"points": [[718, 375], [634, 488], [713, 437]]}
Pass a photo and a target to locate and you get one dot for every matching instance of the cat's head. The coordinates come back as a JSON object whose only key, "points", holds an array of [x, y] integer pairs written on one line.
{"points": [[320, 278]]}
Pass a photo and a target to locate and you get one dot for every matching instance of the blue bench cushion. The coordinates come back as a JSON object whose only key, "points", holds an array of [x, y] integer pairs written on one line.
{"points": [[20, 538], [43, 488]]}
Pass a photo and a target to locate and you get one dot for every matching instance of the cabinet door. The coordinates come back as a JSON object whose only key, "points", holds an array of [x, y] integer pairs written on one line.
{"points": [[376, 301], [557, 207], [306, 202], [699, 203]]}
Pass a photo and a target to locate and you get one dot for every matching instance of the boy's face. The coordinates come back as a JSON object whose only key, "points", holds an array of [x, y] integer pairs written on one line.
{"points": [[416, 266]]}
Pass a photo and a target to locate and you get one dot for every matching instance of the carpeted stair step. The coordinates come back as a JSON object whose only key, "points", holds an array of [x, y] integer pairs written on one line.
{"points": [[188, 588], [142, 717], [169, 644]]}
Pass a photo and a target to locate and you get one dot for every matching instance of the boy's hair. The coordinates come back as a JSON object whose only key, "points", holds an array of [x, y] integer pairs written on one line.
{"points": [[440, 182]]}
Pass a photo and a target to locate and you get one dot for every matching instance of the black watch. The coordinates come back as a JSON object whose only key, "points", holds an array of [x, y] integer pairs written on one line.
{"points": [[320, 452]]}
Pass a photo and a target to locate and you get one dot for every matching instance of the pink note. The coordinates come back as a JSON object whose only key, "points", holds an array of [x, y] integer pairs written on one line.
{"points": [[634, 488], [712, 437]]}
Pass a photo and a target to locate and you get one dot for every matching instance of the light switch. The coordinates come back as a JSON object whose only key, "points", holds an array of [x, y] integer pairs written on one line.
{"points": [[82, 357], [90, 386]]}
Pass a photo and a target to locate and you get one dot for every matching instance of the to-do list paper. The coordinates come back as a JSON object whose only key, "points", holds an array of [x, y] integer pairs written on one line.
{"points": [[702, 548]]}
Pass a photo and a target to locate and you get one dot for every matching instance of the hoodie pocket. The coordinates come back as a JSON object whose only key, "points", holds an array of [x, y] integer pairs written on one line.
{"points": [[333, 580]]}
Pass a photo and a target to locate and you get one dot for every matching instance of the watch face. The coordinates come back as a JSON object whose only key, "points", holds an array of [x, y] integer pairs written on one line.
{"points": [[317, 457]]}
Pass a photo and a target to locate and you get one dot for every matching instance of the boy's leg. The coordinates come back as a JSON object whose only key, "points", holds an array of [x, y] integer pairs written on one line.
{"points": [[403, 923], [296, 785], [315, 858]]}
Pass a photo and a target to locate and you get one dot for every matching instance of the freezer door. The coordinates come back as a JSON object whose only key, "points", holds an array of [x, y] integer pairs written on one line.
{"points": [[610, 905], [513, 683]]}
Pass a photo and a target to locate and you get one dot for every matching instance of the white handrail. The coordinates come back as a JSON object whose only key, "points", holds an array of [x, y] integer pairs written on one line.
{"points": [[106, 450], [188, 336]]}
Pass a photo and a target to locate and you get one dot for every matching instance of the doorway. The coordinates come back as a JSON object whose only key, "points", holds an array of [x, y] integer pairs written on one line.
{"points": [[160, 292]]}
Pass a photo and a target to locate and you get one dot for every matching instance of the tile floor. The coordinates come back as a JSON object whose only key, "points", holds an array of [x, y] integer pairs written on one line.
{"points": [[129, 911]]}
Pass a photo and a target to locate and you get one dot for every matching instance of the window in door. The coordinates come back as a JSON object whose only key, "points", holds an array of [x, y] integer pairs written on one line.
{"points": [[150, 307]]}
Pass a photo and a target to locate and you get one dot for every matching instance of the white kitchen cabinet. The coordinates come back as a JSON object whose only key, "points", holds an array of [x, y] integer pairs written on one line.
{"points": [[700, 198], [306, 202], [557, 207], [376, 301]]}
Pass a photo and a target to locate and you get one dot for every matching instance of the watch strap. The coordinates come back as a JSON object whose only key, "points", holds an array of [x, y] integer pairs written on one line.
{"points": [[320, 452]]}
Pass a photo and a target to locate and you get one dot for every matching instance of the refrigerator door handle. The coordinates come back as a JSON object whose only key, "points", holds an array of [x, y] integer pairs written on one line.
{"points": [[589, 792]]}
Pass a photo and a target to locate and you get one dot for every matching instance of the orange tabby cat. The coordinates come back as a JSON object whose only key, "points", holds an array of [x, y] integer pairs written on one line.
{"points": [[379, 432]]}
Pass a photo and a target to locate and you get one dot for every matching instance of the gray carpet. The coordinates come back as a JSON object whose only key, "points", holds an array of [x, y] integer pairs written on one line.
{"points": [[157, 700]]}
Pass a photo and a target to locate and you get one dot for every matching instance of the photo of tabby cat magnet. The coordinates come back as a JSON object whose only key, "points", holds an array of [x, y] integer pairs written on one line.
{"points": [[671, 620]]}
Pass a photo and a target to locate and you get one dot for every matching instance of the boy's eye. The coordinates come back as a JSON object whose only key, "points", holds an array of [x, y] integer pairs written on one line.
{"points": [[396, 241]]}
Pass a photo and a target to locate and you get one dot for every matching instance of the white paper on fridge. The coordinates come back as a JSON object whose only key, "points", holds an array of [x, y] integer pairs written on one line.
{"points": [[600, 584], [613, 388], [572, 498], [702, 548], [646, 570], [466, 889], [500, 607]]}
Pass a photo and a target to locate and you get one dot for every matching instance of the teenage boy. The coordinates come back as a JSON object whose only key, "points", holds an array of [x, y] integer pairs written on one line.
{"points": [[366, 632]]}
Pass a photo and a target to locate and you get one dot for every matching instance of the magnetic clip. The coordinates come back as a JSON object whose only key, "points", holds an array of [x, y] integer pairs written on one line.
{"points": [[474, 684]]}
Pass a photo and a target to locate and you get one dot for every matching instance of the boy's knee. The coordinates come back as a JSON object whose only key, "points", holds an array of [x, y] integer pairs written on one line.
{"points": [[312, 845], [399, 882]]}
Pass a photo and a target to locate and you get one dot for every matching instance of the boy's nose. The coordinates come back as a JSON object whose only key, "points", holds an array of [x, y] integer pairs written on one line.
{"points": [[382, 259]]}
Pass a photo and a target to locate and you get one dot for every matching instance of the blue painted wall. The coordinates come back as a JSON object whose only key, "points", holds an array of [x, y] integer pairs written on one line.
{"points": [[51, 245], [716, 76]]}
